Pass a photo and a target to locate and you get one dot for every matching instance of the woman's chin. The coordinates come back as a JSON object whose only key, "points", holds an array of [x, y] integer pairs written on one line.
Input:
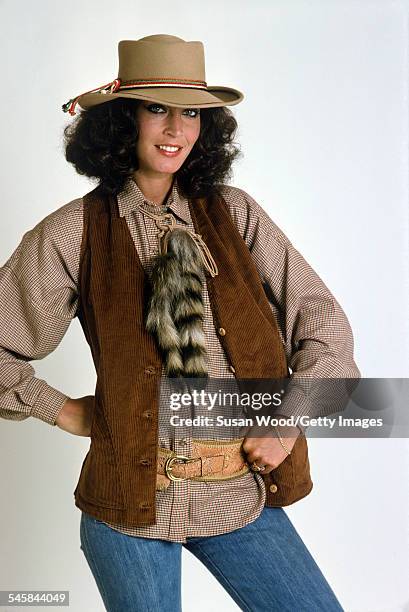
{"points": [[168, 168]]}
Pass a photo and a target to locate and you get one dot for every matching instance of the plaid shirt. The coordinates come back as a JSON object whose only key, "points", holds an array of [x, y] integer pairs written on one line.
{"points": [[39, 298]]}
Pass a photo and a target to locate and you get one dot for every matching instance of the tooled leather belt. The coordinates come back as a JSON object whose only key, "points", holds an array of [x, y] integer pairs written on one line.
{"points": [[210, 460]]}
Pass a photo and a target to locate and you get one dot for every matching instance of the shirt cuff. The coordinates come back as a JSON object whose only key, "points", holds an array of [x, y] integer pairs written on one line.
{"points": [[293, 406], [291, 422], [45, 401]]}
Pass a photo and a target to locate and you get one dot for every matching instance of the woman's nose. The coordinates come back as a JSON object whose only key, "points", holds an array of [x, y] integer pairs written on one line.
{"points": [[174, 123]]}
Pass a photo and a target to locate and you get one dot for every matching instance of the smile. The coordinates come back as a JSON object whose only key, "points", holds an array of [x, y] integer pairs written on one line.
{"points": [[168, 150]]}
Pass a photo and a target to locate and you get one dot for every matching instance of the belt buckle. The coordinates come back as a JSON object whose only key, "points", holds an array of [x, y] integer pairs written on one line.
{"points": [[170, 460]]}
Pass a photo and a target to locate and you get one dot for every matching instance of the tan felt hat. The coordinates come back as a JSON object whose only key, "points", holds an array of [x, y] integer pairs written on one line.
{"points": [[160, 68]]}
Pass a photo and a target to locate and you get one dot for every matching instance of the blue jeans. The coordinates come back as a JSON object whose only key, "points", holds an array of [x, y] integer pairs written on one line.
{"points": [[264, 566]]}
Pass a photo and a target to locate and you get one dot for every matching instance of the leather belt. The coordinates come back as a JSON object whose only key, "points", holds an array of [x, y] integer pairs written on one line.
{"points": [[210, 460]]}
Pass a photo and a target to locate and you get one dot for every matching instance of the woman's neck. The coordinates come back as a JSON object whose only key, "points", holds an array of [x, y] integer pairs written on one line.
{"points": [[154, 189]]}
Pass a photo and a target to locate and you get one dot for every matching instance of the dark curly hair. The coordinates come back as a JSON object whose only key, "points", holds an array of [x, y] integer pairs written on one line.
{"points": [[101, 143]]}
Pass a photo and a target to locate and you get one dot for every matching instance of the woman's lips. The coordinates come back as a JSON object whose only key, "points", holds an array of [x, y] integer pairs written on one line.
{"points": [[168, 153]]}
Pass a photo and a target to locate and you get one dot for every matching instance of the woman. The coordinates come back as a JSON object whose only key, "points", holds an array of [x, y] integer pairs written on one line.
{"points": [[175, 276]]}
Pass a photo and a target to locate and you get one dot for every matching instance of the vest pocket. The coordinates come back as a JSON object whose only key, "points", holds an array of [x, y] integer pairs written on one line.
{"points": [[295, 469], [292, 477], [301, 464], [99, 481]]}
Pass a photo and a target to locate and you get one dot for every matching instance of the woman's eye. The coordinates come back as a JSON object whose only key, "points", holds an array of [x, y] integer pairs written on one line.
{"points": [[152, 107], [196, 111]]}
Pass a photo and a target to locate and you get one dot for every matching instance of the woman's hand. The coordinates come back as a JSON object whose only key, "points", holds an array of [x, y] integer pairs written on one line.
{"points": [[76, 415], [267, 450]]}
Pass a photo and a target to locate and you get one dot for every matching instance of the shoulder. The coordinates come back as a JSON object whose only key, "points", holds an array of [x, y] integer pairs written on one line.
{"points": [[238, 200], [250, 216], [58, 222], [53, 243], [62, 219]]}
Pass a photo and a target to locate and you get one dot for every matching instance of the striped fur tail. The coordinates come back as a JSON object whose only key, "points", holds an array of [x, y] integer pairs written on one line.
{"points": [[176, 309]]}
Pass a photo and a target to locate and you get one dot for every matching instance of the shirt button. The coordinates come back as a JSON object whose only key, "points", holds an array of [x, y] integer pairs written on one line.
{"points": [[152, 251], [183, 441], [222, 331], [273, 488], [232, 368]]}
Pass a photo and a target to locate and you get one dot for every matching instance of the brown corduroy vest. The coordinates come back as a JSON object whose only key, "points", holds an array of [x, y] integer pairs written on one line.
{"points": [[118, 475]]}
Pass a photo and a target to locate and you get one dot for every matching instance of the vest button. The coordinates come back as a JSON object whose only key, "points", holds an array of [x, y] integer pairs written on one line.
{"points": [[144, 505], [233, 369], [150, 370], [222, 331], [145, 461], [273, 488], [147, 414]]}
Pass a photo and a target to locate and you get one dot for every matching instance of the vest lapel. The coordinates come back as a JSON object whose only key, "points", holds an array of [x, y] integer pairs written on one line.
{"points": [[249, 335]]}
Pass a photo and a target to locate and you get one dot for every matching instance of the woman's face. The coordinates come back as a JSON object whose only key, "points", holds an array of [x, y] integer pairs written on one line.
{"points": [[165, 125]]}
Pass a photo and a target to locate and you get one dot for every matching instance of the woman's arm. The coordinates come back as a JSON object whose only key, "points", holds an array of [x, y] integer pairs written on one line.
{"points": [[38, 300], [314, 329]]}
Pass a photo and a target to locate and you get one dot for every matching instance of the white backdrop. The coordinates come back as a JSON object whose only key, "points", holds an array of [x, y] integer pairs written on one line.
{"points": [[324, 132]]}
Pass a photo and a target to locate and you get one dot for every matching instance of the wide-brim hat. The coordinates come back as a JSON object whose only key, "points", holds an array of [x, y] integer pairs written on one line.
{"points": [[160, 68]]}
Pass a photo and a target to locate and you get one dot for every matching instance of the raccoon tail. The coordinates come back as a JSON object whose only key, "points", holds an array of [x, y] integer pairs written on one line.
{"points": [[176, 310]]}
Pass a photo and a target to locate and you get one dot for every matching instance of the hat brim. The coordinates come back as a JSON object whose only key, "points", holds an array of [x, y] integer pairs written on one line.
{"points": [[180, 97]]}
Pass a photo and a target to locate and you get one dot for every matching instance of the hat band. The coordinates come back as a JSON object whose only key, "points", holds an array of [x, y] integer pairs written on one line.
{"points": [[163, 83], [118, 84]]}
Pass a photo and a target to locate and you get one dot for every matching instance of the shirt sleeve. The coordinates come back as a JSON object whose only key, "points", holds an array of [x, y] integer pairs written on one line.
{"points": [[38, 300], [314, 329]]}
